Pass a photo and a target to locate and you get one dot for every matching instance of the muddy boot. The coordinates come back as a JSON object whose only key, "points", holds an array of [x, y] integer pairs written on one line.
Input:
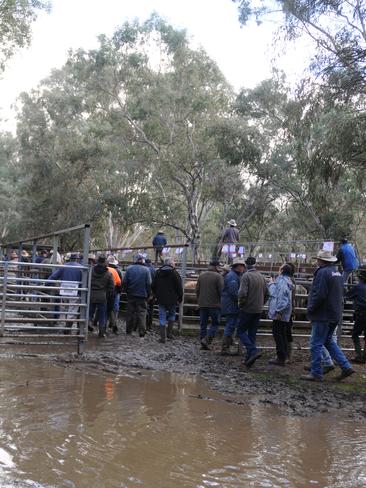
{"points": [[112, 320], [90, 327], [162, 334], [289, 359], [204, 344], [359, 358], [225, 347], [169, 332]]}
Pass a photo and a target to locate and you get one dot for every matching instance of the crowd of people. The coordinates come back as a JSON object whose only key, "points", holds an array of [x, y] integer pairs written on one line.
{"points": [[238, 292]]}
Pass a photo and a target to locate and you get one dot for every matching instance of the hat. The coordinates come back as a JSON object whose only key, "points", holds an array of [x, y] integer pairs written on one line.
{"points": [[101, 259], [326, 256], [139, 257], [232, 223], [112, 260], [74, 255], [160, 231], [24, 253], [250, 261], [92, 256], [238, 261]]}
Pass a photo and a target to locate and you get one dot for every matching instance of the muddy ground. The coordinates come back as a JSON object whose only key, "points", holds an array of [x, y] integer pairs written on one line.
{"points": [[261, 384]]}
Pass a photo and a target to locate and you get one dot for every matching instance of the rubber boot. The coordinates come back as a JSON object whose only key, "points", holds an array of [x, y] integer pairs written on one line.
{"points": [[112, 319], [169, 332], [162, 334], [358, 350], [225, 347], [204, 344], [289, 359]]}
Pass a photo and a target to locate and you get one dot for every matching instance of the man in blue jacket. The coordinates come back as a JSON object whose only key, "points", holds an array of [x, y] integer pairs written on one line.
{"points": [[229, 303], [159, 242], [346, 256], [325, 306], [70, 278], [137, 284]]}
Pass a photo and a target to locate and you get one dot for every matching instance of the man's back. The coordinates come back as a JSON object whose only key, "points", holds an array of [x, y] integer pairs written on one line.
{"points": [[253, 292], [230, 235], [209, 287], [137, 280], [325, 301]]}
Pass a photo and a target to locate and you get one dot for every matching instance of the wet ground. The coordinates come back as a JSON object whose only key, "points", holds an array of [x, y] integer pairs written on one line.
{"points": [[106, 422], [262, 384]]}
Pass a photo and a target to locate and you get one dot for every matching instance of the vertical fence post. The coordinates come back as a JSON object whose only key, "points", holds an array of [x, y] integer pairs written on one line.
{"points": [[183, 277], [34, 251], [84, 295], [55, 249], [3, 301]]}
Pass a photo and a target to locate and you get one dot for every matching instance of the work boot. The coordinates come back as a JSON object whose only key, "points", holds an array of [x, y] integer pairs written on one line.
{"points": [[112, 320], [204, 344], [249, 362], [115, 330], [359, 358], [310, 377], [162, 334], [90, 328], [169, 332], [345, 373], [276, 362], [225, 347]]}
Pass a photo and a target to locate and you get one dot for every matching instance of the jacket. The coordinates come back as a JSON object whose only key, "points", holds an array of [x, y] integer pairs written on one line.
{"points": [[167, 286], [159, 241], [69, 278], [280, 298], [347, 257], [229, 298], [230, 235], [325, 301], [208, 289], [358, 294], [137, 281], [102, 286], [253, 292]]}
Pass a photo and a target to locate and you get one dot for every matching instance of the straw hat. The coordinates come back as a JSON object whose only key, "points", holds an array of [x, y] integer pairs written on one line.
{"points": [[238, 261], [326, 256], [112, 260]]}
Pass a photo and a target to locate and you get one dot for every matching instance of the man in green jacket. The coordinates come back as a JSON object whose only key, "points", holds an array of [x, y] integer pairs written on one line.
{"points": [[208, 290]]}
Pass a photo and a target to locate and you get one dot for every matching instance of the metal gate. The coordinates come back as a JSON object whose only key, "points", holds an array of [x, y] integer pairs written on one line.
{"points": [[37, 308]]}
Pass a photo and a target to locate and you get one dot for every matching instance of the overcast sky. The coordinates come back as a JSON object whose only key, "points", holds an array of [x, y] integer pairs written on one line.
{"points": [[243, 54]]}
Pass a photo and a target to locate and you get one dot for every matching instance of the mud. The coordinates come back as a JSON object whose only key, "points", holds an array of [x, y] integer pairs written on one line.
{"points": [[262, 384]]}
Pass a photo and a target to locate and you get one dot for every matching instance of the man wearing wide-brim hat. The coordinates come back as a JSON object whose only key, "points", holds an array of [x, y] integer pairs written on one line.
{"points": [[229, 302], [324, 310], [231, 237]]}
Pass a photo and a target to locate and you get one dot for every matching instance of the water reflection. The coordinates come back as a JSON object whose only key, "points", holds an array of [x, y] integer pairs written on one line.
{"points": [[63, 428]]}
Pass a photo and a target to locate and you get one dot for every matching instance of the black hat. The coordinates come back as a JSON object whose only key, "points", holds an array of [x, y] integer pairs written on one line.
{"points": [[215, 262], [101, 259], [250, 261]]}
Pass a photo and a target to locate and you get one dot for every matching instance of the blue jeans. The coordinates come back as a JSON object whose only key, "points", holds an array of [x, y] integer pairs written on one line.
{"points": [[323, 335], [101, 310], [166, 313], [205, 313], [326, 358], [117, 300], [247, 331], [231, 324]]}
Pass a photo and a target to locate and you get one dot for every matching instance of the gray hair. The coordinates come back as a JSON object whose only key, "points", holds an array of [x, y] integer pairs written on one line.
{"points": [[169, 262]]}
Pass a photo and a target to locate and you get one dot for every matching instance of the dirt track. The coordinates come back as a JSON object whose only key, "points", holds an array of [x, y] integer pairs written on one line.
{"points": [[262, 384]]}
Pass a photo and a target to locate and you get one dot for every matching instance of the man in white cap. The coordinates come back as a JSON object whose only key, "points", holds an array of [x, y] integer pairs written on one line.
{"points": [[325, 307], [230, 237]]}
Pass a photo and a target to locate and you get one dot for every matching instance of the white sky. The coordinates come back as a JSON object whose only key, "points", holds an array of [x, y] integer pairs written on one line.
{"points": [[243, 54]]}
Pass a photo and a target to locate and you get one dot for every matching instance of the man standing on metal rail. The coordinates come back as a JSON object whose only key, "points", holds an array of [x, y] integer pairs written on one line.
{"points": [[159, 242], [70, 278], [325, 305], [230, 237], [168, 290], [101, 290], [137, 284], [252, 296], [208, 290], [229, 302]]}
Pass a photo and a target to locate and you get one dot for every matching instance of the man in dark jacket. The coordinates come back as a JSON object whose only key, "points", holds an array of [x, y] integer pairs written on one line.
{"points": [[137, 284], [230, 237], [101, 290], [325, 306], [168, 290], [252, 296], [208, 290], [229, 302], [159, 242], [358, 295], [70, 278]]}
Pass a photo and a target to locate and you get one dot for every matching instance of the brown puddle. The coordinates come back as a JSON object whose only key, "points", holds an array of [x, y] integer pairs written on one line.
{"points": [[68, 429]]}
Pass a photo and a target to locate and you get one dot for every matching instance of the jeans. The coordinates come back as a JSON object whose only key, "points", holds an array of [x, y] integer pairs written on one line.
{"points": [[117, 300], [205, 313], [231, 324], [101, 312], [247, 331], [136, 315], [323, 335], [326, 357], [279, 331], [166, 313]]}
